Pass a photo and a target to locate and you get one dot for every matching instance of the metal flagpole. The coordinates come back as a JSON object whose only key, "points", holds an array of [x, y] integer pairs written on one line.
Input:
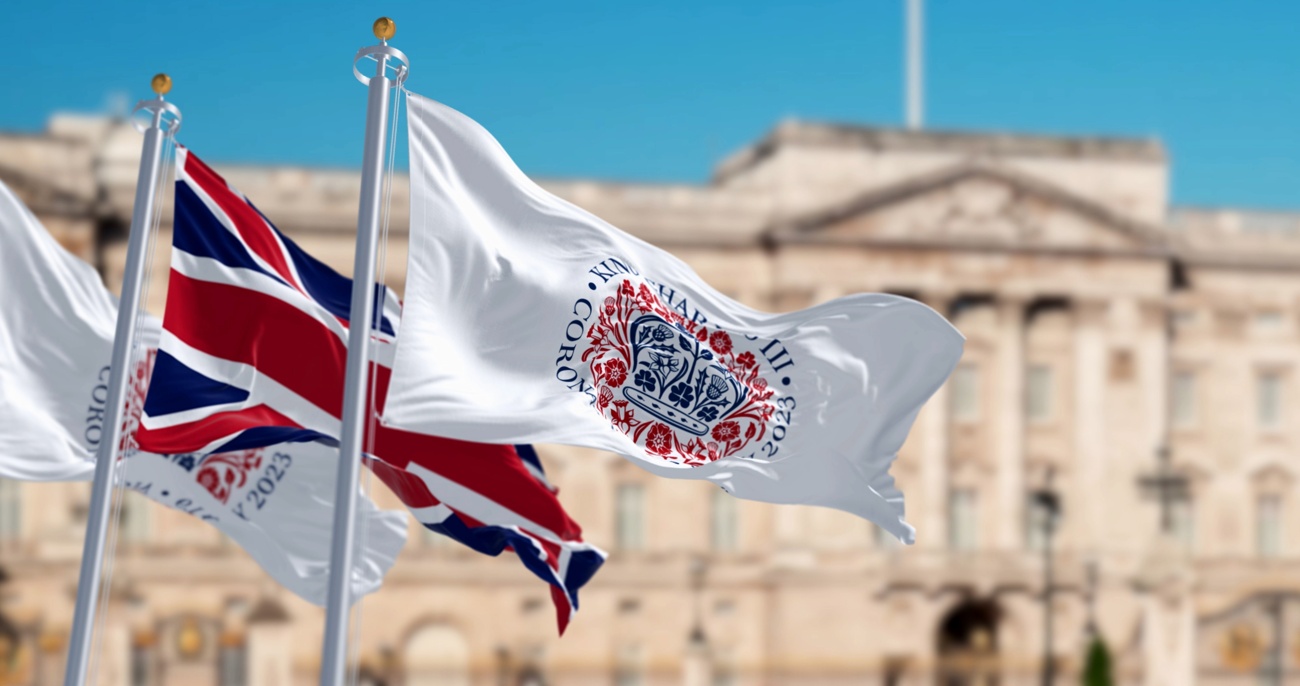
{"points": [[915, 76], [339, 597], [166, 120]]}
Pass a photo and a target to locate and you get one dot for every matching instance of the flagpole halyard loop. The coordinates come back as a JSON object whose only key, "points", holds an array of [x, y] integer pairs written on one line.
{"points": [[393, 55], [167, 116]]}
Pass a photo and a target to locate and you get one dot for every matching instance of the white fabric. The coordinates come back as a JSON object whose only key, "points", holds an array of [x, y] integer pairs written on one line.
{"points": [[526, 322], [56, 337]]}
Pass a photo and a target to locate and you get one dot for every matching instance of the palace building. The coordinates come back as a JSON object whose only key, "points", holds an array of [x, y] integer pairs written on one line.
{"points": [[1132, 362]]}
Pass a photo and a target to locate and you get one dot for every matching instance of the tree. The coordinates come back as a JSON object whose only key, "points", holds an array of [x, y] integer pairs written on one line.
{"points": [[1097, 668]]}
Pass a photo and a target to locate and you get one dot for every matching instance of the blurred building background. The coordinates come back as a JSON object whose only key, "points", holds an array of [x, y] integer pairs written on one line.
{"points": [[1126, 401]]}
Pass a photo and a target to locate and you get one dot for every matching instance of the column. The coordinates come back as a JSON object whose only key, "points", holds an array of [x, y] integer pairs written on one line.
{"points": [[1154, 354], [115, 656], [1010, 422], [1169, 634], [270, 645], [1089, 522], [696, 667], [935, 427]]}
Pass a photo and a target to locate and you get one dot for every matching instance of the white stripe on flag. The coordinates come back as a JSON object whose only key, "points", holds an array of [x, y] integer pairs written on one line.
{"points": [[266, 391]]}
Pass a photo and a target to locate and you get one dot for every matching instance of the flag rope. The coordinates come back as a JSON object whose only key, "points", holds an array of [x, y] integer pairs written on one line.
{"points": [[372, 419], [139, 354], [352, 439], [166, 120]]}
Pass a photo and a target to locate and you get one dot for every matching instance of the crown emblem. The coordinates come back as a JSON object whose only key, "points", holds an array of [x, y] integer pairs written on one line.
{"points": [[686, 393], [676, 378]]}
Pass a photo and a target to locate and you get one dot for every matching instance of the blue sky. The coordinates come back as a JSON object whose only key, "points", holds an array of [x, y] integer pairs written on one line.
{"points": [[661, 90]]}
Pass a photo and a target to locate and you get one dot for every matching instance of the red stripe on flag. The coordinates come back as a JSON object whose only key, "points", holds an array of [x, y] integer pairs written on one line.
{"points": [[563, 610], [406, 486], [262, 331], [194, 436], [252, 227], [227, 321], [480, 467]]}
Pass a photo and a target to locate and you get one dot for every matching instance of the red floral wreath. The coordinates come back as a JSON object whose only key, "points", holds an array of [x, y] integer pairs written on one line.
{"points": [[611, 358], [223, 474]]}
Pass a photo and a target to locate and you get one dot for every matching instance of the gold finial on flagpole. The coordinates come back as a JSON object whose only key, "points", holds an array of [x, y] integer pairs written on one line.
{"points": [[384, 28], [161, 84]]}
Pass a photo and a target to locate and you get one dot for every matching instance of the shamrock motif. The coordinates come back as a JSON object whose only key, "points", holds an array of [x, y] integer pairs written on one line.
{"points": [[645, 379], [682, 394]]}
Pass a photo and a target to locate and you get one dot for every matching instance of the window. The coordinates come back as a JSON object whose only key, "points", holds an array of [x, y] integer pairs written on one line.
{"points": [[965, 393], [1184, 399], [232, 663], [135, 517], [142, 663], [884, 539], [963, 522], [628, 669], [1269, 400], [532, 658], [1040, 393], [724, 522], [1268, 526], [11, 510], [1183, 516], [1268, 322], [631, 517], [1122, 365], [724, 667]]}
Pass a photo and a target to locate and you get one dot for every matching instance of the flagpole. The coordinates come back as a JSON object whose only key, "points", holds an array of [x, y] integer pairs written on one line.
{"points": [[339, 595], [166, 120]]}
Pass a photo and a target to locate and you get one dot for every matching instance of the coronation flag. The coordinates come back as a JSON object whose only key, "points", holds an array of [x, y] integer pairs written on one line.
{"points": [[57, 325], [530, 320], [252, 353]]}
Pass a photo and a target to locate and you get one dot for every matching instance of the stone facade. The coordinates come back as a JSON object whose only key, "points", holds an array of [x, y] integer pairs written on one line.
{"points": [[1103, 328]]}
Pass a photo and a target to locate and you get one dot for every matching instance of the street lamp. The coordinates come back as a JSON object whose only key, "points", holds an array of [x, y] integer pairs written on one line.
{"points": [[1048, 504], [502, 654], [1169, 485], [696, 669]]}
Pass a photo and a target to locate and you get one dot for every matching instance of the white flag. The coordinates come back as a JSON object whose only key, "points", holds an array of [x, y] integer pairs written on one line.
{"points": [[56, 337], [529, 320]]}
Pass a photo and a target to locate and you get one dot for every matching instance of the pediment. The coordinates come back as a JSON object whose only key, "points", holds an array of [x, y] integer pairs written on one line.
{"points": [[979, 206]]}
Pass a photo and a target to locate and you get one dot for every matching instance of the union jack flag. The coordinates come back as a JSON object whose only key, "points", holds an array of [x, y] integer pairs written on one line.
{"points": [[252, 354]]}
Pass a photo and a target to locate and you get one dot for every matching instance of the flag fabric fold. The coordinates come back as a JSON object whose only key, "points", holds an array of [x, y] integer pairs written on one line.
{"points": [[252, 353], [530, 320], [56, 339]]}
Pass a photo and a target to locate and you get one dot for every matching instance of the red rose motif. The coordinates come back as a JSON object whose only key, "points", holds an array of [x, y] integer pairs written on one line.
{"points": [[210, 479], [726, 431], [659, 440], [746, 359], [615, 373], [720, 341]]}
